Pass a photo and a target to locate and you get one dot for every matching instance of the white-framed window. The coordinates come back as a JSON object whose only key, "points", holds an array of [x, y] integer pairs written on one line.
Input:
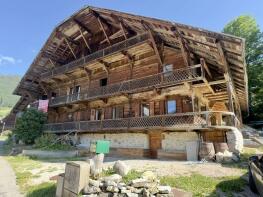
{"points": [[145, 109], [98, 114], [117, 112], [171, 107]]}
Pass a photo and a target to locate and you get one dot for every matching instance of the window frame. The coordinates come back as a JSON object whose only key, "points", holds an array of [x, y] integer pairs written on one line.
{"points": [[102, 81], [97, 114], [142, 109], [115, 111], [167, 106]]}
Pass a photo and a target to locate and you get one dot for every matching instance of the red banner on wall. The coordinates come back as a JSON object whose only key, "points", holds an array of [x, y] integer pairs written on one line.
{"points": [[43, 105]]}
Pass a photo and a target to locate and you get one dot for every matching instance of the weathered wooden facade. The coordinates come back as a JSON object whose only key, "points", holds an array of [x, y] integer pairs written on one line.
{"points": [[142, 83]]}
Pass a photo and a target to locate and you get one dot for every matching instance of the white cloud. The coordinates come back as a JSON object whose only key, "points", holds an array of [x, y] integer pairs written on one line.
{"points": [[5, 60]]}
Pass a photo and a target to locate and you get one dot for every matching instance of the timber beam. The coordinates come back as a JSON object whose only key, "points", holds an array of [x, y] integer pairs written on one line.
{"points": [[185, 51], [80, 24], [101, 24], [228, 77], [203, 63], [71, 49], [209, 86], [154, 45], [223, 81], [105, 66], [84, 39]]}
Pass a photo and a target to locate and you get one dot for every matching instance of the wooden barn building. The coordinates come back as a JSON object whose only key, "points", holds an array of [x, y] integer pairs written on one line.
{"points": [[148, 86]]}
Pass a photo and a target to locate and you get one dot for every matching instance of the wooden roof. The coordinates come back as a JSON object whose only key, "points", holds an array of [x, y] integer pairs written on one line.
{"points": [[87, 27]]}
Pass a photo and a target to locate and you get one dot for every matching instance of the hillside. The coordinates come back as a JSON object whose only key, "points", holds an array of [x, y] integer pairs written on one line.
{"points": [[7, 85]]}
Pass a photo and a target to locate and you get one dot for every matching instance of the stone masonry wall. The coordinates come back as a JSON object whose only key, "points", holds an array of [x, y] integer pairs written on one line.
{"points": [[176, 141], [120, 140]]}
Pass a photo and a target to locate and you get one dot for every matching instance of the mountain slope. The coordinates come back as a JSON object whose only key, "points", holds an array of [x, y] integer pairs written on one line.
{"points": [[7, 85]]}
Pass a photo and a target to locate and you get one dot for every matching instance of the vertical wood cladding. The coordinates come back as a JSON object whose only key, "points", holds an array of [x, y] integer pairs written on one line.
{"points": [[141, 68], [214, 136]]}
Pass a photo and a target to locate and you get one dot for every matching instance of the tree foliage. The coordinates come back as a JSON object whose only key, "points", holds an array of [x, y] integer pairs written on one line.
{"points": [[29, 126], [247, 27]]}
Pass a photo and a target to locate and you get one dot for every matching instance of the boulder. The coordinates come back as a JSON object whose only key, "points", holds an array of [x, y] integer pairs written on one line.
{"points": [[145, 193], [137, 183], [121, 168], [227, 156], [219, 157], [164, 189], [115, 178], [110, 183], [94, 183], [89, 195], [121, 185], [149, 176], [235, 141], [125, 191], [131, 195], [113, 189], [91, 190], [165, 195], [105, 194]]}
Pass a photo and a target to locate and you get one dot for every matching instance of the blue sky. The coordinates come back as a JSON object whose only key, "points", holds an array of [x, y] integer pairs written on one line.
{"points": [[25, 25]]}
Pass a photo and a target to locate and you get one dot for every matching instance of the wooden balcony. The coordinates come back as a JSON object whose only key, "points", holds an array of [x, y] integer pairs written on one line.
{"points": [[160, 80], [179, 121], [118, 47]]}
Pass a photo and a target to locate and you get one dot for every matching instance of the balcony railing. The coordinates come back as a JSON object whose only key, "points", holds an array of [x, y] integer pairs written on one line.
{"points": [[177, 76], [131, 42], [190, 120]]}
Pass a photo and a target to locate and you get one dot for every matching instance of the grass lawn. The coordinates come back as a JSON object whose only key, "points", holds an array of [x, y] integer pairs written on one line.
{"points": [[22, 166], [205, 186]]}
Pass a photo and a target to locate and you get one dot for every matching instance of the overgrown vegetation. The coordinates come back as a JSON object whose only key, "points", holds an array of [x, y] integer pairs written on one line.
{"points": [[247, 27], [29, 126], [51, 142]]}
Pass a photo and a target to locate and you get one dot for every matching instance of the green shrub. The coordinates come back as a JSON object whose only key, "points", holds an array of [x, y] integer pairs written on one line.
{"points": [[51, 142], [29, 126]]}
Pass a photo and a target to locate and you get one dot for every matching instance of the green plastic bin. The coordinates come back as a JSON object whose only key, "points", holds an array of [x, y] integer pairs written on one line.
{"points": [[102, 146]]}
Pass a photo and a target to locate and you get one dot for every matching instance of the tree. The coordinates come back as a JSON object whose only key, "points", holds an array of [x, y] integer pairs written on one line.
{"points": [[247, 27], [29, 126]]}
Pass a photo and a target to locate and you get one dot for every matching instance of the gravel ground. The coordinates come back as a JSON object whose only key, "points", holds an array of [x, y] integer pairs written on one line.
{"points": [[180, 168]]}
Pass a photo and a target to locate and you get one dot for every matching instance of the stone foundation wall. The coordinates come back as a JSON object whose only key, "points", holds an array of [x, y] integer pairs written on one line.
{"points": [[120, 140], [176, 141]]}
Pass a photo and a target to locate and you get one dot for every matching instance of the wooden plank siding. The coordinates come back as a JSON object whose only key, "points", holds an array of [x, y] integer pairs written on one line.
{"points": [[158, 107]]}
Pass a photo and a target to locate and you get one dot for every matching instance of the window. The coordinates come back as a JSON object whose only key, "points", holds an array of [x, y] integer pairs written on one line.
{"points": [[98, 114], [103, 82], [77, 89], [44, 97], [71, 91], [117, 112], [145, 109], [53, 94], [167, 69], [171, 107]]}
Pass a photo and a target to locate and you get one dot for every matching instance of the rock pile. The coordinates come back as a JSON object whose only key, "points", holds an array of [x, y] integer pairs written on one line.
{"points": [[113, 186]]}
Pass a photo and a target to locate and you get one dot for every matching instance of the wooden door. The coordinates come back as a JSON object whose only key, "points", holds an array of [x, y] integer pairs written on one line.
{"points": [[155, 142]]}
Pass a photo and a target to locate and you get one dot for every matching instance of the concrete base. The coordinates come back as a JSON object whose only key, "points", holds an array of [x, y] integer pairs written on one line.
{"points": [[49, 154]]}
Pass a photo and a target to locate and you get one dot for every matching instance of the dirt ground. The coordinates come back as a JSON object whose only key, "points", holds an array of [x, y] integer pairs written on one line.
{"points": [[160, 167]]}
